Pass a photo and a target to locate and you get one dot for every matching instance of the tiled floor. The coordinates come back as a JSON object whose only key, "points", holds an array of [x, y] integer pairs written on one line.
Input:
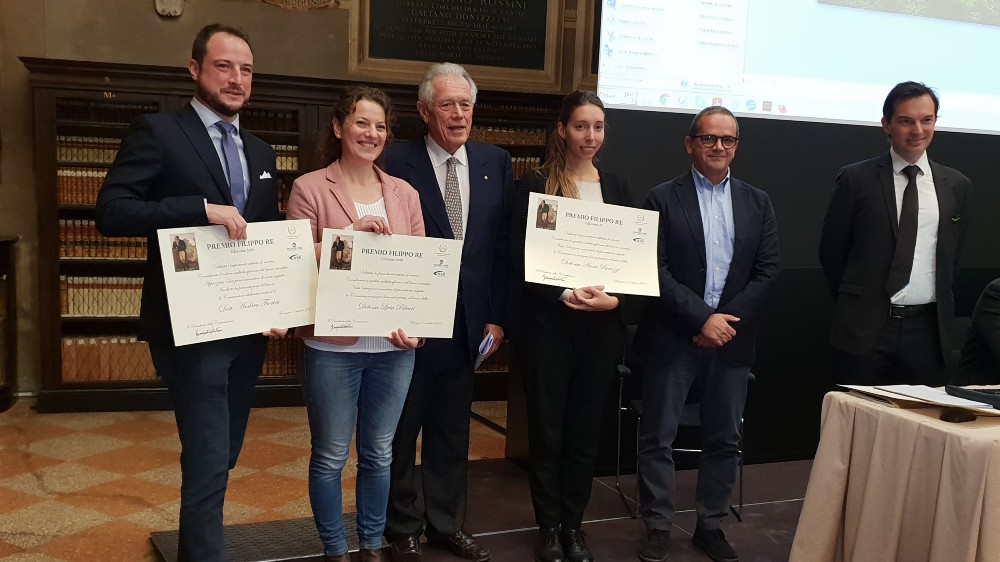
{"points": [[91, 487]]}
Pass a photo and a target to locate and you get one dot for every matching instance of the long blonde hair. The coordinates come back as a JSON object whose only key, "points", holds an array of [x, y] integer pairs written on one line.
{"points": [[558, 181]]}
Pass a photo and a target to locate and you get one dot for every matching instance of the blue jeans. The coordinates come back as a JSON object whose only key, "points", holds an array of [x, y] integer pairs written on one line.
{"points": [[340, 388]]}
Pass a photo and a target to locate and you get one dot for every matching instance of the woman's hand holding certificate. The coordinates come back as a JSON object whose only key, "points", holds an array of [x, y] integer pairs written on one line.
{"points": [[377, 285], [576, 243]]}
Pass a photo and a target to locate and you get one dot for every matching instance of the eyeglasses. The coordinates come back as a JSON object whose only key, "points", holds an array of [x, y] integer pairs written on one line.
{"points": [[708, 141]]}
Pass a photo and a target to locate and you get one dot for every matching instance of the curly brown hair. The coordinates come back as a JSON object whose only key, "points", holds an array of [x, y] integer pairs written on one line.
{"points": [[330, 147]]}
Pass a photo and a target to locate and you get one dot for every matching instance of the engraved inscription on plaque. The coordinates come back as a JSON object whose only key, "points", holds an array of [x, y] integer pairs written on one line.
{"points": [[500, 33]]}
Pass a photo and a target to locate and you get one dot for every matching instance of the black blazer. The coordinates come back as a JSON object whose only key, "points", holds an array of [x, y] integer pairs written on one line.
{"points": [[483, 277], [672, 320], [980, 362], [538, 301], [165, 171], [859, 239]]}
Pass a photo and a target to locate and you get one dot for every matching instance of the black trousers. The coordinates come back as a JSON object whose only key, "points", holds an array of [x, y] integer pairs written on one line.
{"points": [[907, 351], [439, 403], [569, 365], [211, 388]]}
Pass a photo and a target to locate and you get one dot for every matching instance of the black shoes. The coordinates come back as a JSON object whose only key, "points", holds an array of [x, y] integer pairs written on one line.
{"points": [[714, 544], [575, 547], [462, 545], [655, 547], [405, 549], [549, 548]]}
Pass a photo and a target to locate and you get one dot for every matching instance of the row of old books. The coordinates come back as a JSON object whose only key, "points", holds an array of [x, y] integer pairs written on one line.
{"points": [[101, 111], [93, 296], [91, 150], [269, 120], [525, 164], [509, 136], [282, 356], [78, 238], [105, 358], [121, 358], [79, 186], [287, 156]]}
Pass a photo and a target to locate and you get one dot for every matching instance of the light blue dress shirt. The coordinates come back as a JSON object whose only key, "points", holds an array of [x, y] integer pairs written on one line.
{"points": [[716, 205], [209, 119]]}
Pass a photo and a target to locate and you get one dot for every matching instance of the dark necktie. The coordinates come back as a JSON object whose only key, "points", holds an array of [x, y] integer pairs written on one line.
{"points": [[230, 153], [906, 238]]}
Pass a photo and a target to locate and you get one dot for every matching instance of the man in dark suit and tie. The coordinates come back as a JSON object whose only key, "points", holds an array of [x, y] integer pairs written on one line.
{"points": [[196, 167], [718, 256], [465, 190], [889, 249]]}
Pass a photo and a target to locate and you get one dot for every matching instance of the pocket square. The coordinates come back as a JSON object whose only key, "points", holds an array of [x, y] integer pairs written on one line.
{"points": [[265, 176], [956, 218]]}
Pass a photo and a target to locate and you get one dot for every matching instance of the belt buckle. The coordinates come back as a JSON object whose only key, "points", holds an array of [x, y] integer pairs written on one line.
{"points": [[893, 308]]}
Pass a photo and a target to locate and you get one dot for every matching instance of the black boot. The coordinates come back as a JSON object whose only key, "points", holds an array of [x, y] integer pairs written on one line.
{"points": [[575, 547], [549, 549]]}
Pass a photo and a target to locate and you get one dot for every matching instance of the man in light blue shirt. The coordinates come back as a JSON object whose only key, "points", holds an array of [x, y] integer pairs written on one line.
{"points": [[718, 255]]}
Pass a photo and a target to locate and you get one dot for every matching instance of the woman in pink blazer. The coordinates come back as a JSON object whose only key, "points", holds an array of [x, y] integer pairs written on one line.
{"points": [[343, 376]]}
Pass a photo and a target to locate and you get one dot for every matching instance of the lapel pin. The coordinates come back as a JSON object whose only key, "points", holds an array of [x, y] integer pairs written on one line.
{"points": [[486, 177]]}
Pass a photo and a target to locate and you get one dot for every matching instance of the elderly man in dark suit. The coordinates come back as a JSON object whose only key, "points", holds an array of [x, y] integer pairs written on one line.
{"points": [[465, 190], [890, 245], [196, 167], [718, 261]]}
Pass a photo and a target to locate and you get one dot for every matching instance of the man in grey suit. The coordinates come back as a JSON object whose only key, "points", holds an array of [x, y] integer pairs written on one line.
{"points": [[466, 189], [718, 257], [890, 244], [196, 167]]}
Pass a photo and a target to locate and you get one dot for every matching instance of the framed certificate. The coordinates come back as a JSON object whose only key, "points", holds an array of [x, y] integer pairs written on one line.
{"points": [[573, 243], [372, 285], [219, 288]]}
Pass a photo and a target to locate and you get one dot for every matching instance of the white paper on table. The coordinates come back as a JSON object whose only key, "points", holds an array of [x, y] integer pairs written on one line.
{"points": [[219, 288], [381, 283], [573, 243], [933, 396]]}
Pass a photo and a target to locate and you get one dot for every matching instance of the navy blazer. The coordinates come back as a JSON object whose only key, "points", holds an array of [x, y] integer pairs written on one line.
{"points": [[165, 172], [677, 315], [859, 239], [483, 275], [536, 299]]}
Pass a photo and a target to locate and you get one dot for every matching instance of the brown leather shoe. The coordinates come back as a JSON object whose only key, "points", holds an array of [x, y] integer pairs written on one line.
{"points": [[405, 549], [345, 557], [462, 545], [373, 555]]}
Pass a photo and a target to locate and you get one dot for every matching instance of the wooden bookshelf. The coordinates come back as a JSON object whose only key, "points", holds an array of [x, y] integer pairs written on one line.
{"points": [[90, 285]]}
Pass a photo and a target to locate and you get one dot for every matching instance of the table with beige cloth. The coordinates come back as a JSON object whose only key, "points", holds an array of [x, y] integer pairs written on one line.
{"points": [[893, 484]]}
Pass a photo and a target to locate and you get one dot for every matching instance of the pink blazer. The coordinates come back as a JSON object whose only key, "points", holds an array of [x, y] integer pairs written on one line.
{"points": [[322, 197]]}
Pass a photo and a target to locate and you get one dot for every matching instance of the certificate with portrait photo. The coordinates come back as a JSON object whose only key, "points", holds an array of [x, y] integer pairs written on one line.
{"points": [[219, 288], [573, 243], [380, 283]]}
